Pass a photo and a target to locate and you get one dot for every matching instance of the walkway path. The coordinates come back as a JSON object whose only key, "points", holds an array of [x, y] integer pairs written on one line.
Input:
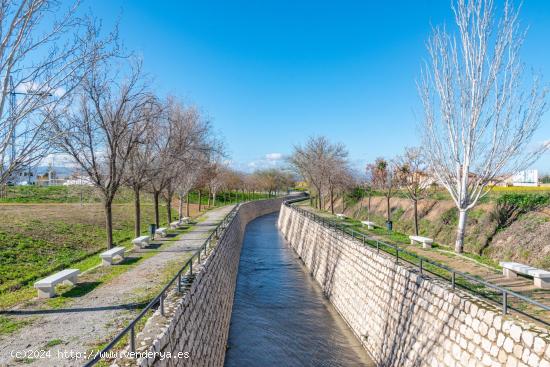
{"points": [[280, 316], [95, 317]]}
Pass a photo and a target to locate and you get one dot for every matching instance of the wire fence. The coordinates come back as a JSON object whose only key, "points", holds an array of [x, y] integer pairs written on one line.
{"points": [[506, 298]]}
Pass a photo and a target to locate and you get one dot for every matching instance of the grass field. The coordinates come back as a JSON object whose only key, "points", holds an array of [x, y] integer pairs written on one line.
{"points": [[46, 229]]}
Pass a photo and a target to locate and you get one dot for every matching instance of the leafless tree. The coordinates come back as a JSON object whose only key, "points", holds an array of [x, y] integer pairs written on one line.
{"points": [[139, 170], [479, 118], [314, 162], [45, 50], [103, 128], [412, 172], [384, 179]]}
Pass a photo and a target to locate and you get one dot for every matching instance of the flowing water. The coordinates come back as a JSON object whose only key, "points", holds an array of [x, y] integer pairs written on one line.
{"points": [[280, 316]]}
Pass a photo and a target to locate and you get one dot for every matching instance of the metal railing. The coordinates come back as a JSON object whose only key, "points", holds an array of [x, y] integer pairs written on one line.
{"points": [[216, 235], [423, 264]]}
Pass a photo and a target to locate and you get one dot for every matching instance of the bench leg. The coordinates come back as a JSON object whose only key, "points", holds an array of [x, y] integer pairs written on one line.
{"points": [[46, 292], [426, 245], [106, 262], [71, 281], [509, 273], [542, 283], [370, 227]]}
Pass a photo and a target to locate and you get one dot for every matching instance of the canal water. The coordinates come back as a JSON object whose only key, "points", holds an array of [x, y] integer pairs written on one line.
{"points": [[280, 316]]}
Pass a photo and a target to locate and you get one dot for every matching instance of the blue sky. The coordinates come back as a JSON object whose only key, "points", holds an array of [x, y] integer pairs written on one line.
{"points": [[271, 73]]}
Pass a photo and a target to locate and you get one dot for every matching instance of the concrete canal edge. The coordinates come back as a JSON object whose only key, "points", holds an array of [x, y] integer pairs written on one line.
{"points": [[195, 327], [402, 318]]}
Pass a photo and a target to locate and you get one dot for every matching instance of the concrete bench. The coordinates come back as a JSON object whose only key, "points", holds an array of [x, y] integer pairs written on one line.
{"points": [[541, 278], [176, 224], [369, 224], [340, 216], [46, 286], [185, 220], [425, 241], [161, 232], [142, 241], [108, 256]]}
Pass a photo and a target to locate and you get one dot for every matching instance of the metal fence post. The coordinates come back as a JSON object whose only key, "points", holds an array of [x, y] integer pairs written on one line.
{"points": [[191, 266], [179, 282], [421, 265], [396, 254], [453, 280], [504, 302], [162, 304], [377, 246], [132, 339]]}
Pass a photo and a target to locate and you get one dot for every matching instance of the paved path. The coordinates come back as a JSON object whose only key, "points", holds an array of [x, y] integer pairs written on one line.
{"points": [[95, 317]]}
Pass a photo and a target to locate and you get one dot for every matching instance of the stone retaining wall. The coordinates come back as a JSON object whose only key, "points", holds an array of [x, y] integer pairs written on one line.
{"points": [[197, 324], [403, 318]]}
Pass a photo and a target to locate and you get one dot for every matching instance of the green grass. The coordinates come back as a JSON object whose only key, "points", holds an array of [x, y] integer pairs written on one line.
{"points": [[9, 325], [53, 343]]}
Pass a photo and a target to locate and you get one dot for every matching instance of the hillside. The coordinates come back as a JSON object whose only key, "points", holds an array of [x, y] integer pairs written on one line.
{"points": [[524, 236]]}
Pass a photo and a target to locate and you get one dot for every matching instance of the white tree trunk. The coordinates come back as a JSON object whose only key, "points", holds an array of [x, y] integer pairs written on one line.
{"points": [[461, 230]]}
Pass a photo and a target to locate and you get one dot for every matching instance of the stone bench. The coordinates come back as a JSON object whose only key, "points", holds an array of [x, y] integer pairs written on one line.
{"points": [[176, 224], [161, 232], [425, 241], [369, 224], [185, 220], [340, 216], [108, 256], [142, 241], [46, 286], [541, 278]]}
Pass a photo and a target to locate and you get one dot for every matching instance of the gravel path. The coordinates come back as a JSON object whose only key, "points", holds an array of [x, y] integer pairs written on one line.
{"points": [[96, 316]]}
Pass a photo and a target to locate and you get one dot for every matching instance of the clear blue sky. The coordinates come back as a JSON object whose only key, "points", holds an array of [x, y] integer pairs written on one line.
{"points": [[271, 73]]}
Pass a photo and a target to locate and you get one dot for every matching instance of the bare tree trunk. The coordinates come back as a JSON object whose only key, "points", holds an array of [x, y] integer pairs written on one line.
{"points": [[209, 198], [461, 230], [187, 206], [169, 197], [343, 202], [332, 201], [388, 211], [156, 205], [109, 222], [415, 206], [214, 198], [180, 208], [200, 201], [137, 212]]}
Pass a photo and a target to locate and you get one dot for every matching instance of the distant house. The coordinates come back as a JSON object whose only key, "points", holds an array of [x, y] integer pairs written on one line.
{"points": [[40, 176], [76, 179], [23, 177]]}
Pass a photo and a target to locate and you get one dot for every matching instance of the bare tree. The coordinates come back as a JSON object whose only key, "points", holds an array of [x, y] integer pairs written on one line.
{"points": [[139, 169], [412, 170], [45, 50], [383, 176], [102, 130], [479, 119], [314, 162]]}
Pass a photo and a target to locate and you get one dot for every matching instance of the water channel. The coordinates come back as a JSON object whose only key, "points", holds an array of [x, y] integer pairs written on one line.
{"points": [[280, 316]]}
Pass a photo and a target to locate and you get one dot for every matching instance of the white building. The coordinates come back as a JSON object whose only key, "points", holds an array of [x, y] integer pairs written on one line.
{"points": [[526, 178]]}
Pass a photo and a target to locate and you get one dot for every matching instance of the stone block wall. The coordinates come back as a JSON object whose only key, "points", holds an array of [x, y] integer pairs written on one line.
{"points": [[403, 318], [197, 324]]}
